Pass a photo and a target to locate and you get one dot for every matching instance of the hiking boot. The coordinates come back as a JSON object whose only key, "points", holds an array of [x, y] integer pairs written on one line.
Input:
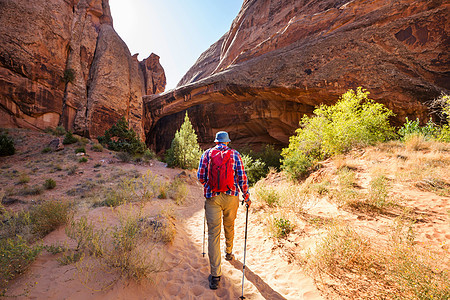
{"points": [[214, 282], [229, 256]]}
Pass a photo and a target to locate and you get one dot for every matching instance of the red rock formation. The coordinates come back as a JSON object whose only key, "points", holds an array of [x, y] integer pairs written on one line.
{"points": [[65, 65], [155, 78], [283, 57]]}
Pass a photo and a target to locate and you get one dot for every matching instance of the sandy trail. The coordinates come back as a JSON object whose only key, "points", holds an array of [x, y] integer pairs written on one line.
{"points": [[268, 276]]}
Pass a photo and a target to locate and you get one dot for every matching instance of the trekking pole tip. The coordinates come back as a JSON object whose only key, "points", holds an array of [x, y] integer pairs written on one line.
{"points": [[241, 297]]}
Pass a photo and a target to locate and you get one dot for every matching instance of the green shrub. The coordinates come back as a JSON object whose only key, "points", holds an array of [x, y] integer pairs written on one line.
{"points": [[33, 190], [446, 106], [82, 232], [97, 147], [281, 227], [149, 154], [59, 130], [69, 75], [255, 169], [268, 195], [13, 224], [6, 145], [48, 216], [54, 248], [270, 156], [24, 178], [15, 256], [69, 138], [258, 163], [444, 134], [354, 121], [49, 184], [429, 131], [122, 138], [70, 257], [83, 160], [84, 141], [185, 151], [46, 150], [80, 150]]}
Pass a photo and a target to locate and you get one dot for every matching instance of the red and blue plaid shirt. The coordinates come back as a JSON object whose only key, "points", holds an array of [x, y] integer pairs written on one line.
{"points": [[240, 177]]}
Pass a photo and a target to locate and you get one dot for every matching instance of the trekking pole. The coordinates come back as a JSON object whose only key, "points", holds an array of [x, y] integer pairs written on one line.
{"points": [[245, 250], [204, 233]]}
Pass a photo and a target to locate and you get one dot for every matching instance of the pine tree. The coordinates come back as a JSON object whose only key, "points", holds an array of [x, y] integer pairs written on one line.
{"points": [[185, 151]]}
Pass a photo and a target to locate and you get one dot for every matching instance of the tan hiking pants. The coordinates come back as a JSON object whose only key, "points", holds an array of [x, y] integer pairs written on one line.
{"points": [[215, 207]]}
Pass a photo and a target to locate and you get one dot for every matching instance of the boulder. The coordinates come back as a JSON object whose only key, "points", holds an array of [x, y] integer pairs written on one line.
{"points": [[56, 145], [282, 58]]}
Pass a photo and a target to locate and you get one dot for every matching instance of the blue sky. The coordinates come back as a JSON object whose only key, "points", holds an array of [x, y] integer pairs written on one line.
{"points": [[176, 30]]}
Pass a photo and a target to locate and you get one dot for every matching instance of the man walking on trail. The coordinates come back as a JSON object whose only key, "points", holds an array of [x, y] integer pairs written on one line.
{"points": [[222, 174]]}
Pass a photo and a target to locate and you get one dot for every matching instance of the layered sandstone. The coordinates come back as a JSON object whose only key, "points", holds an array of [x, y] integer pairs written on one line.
{"points": [[281, 58], [62, 63]]}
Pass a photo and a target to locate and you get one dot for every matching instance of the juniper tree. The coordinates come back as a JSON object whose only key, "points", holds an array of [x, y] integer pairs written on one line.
{"points": [[184, 151]]}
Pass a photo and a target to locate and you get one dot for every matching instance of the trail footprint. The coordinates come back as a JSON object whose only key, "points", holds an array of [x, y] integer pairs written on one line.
{"points": [[173, 289], [197, 290]]}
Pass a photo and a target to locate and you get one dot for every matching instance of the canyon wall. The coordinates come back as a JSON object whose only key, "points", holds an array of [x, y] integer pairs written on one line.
{"points": [[62, 63], [281, 58]]}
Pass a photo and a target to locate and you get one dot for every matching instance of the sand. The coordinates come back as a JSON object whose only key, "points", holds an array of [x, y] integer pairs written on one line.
{"points": [[267, 274]]}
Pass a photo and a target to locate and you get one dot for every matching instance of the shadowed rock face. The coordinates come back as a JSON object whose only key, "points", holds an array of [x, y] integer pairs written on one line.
{"points": [[283, 57], [62, 63]]}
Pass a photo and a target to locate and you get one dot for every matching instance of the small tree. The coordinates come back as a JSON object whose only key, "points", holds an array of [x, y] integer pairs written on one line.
{"points": [[184, 151], [122, 138], [6, 145]]}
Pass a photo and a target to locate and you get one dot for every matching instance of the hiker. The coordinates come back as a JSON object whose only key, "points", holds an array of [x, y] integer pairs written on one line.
{"points": [[221, 191]]}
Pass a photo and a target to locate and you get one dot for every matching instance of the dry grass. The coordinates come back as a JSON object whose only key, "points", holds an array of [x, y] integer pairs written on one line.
{"points": [[357, 257], [359, 268], [129, 250], [417, 142], [177, 191], [48, 216]]}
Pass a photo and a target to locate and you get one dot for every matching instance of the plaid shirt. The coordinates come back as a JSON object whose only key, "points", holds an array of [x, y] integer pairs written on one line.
{"points": [[240, 177]]}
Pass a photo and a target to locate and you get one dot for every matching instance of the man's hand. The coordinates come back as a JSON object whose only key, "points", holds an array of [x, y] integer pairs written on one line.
{"points": [[247, 202]]}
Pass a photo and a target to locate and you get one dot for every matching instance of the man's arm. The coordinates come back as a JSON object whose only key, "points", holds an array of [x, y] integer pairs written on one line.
{"points": [[242, 177], [202, 173]]}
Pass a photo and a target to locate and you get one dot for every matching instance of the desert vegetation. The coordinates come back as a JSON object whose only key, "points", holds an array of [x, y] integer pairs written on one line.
{"points": [[52, 190], [349, 159], [365, 213]]}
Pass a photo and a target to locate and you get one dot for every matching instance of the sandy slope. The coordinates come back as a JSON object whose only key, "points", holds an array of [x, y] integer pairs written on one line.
{"points": [[268, 276]]}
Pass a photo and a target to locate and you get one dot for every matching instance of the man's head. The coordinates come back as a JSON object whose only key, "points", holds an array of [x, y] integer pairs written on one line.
{"points": [[222, 137]]}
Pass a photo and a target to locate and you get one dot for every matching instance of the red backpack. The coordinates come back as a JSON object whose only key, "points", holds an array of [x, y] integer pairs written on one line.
{"points": [[220, 170]]}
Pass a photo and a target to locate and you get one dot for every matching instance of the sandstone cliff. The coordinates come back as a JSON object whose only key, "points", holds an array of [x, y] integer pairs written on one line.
{"points": [[281, 58], [62, 63]]}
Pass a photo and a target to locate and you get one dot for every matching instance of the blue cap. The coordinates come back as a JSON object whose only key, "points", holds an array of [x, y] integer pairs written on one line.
{"points": [[222, 137]]}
